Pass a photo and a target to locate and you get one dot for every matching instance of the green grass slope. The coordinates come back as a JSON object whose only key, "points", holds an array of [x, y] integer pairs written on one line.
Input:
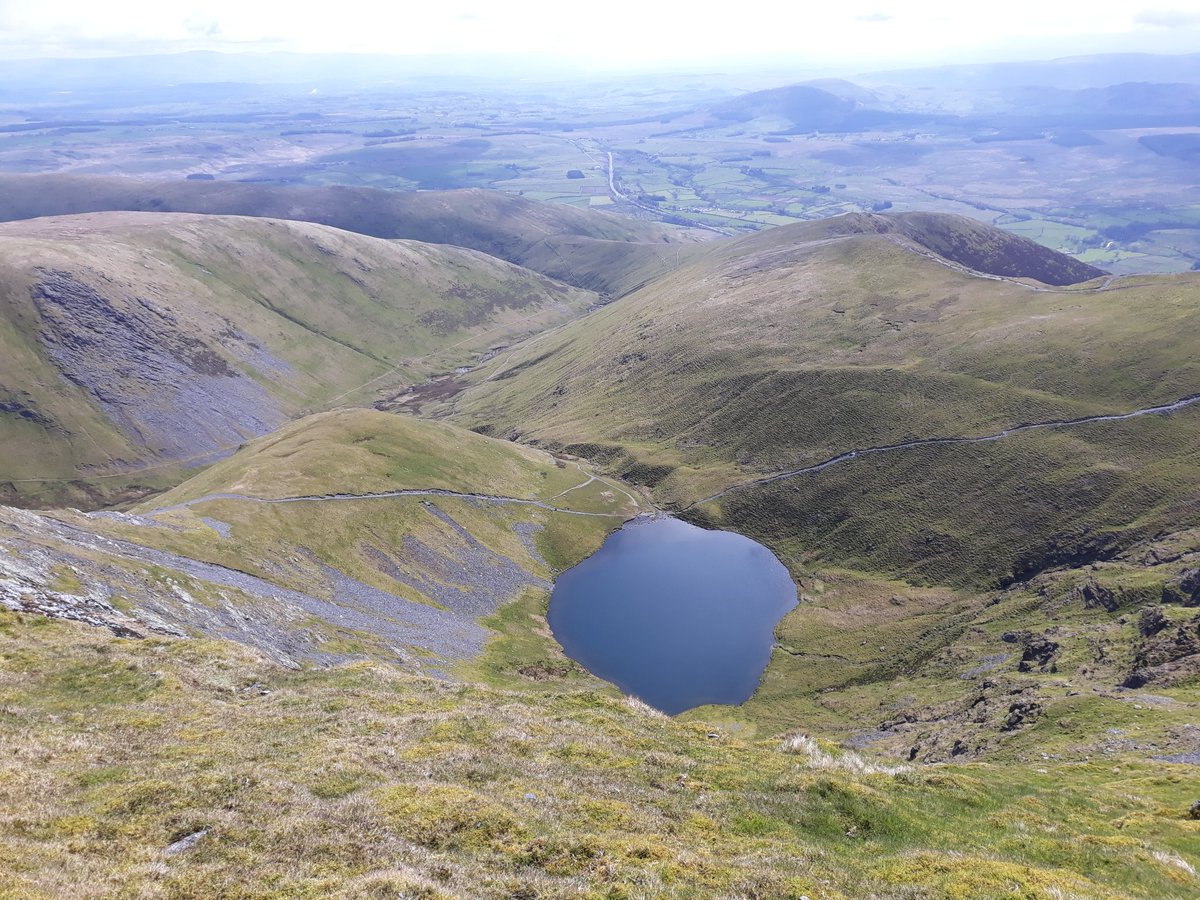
{"points": [[1076, 664], [786, 348], [133, 345], [782, 350], [361, 451], [194, 768], [445, 558], [586, 248]]}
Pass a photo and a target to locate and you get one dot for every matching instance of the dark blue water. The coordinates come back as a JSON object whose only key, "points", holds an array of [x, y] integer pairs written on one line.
{"points": [[673, 614]]}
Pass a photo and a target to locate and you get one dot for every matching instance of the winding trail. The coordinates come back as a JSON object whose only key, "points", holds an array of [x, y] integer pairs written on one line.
{"points": [[1166, 409], [591, 478], [384, 495]]}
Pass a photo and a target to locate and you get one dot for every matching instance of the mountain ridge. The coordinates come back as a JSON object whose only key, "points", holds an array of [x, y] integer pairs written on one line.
{"points": [[140, 341], [520, 231]]}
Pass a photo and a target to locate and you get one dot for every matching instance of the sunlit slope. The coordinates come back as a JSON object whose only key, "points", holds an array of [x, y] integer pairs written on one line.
{"points": [[361, 451], [364, 781], [588, 248], [345, 534], [786, 348], [133, 340]]}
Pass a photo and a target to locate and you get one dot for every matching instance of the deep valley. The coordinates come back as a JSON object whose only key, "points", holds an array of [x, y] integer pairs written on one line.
{"points": [[383, 518]]}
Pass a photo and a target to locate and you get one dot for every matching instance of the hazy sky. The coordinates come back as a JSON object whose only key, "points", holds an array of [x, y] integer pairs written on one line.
{"points": [[611, 33]]}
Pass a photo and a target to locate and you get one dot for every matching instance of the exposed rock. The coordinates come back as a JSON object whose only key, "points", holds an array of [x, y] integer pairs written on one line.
{"points": [[1136, 679], [1097, 596], [1021, 713], [1152, 621], [23, 411], [30, 582], [1189, 584], [163, 386], [1156, 556], [186, 843], [1167, 656], [544, 671], [1039, 651], [987, 664]]}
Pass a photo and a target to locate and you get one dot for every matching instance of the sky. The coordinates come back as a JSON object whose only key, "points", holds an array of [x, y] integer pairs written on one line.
{"points": [[611, 34]]}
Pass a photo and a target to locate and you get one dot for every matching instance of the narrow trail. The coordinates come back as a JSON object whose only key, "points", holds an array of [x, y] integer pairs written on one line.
{"points": [[1166, 409], [591, 477], [582, 484], [385, 495]]}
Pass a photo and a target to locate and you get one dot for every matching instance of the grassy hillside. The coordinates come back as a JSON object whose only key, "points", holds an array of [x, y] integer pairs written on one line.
{"points": [[360, 451], [408, 578], [1077, 664], [781, 350], [134, 345], [1006, 632], [581, 247], [192, 768], [991, 250]]}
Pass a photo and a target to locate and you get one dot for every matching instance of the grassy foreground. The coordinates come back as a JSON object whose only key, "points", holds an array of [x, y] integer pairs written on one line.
{"points": [[362, 781]]}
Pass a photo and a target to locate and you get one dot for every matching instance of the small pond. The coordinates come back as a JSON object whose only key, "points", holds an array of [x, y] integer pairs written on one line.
{"points": [[673, 614]]}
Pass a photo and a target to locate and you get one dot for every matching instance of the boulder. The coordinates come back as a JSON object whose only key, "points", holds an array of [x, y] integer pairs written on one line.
{"points": [[1039, 651], [1152, 621]]}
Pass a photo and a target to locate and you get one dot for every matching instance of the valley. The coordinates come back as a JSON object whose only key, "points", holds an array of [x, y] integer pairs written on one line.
{"points": [[544, 494], [1061, 154]]}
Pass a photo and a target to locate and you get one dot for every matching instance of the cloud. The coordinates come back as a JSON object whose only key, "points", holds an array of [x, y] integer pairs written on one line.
{"points": [[1167, 18], [203, 27], [875, 17]]}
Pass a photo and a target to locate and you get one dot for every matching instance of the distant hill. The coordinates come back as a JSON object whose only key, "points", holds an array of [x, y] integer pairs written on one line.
{"points": [[842, 106], [561, 241], [1124, 105], [1066, 73], [802, 103], [145, 343], [819, 106]]}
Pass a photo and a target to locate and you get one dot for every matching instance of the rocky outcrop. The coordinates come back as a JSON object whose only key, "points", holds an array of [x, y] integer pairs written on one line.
{"points": [[165, 388], [1189, 587], [36, 581], [1152, 621], [1170, 655], [1020, 714], [20, 409], [1096, 596], [1039, 651]]}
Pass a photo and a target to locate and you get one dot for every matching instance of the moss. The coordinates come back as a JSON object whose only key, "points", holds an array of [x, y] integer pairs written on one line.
{"points": [[962, 876], [443, 816], [336, 784], [65, 580]]}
